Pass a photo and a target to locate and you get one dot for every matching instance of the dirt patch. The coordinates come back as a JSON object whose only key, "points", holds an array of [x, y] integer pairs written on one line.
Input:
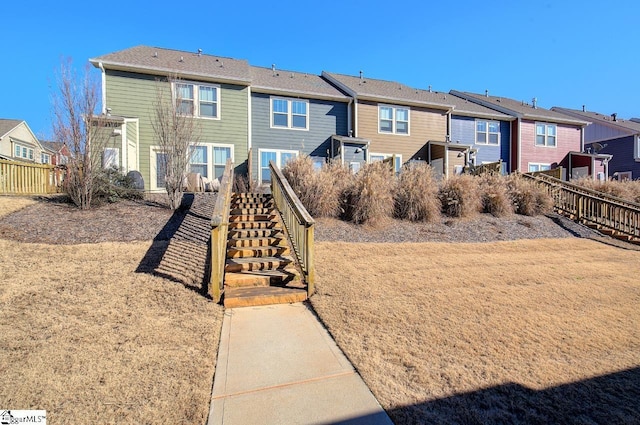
{"points": [[528, 331]]}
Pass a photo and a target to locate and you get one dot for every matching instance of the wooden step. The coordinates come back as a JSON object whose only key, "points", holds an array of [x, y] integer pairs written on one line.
{"points": [[250, 264], [251, 211], [246, 197], [251, 217], [288, 276], [244, 242], [257, 251], [255, 233], [262, 295], [270, 224]]}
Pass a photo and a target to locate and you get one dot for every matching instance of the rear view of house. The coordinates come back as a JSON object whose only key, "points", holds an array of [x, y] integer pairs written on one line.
{"points": [[18, 143]]}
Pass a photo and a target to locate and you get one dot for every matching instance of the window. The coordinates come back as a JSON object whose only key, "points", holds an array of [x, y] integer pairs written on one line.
{"points": [[23, 152], [289, 113], [534, 167], [161, 169], [111, 158], [280, 157], [487, 132], [636, 150], [397, 165], [198, 99], [393, 119], [45, 158], [623, 175], [209, 160], [546, 135]]}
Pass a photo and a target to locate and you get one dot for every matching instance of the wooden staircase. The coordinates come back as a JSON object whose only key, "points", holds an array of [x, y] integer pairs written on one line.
{"points": [[260, 268]]}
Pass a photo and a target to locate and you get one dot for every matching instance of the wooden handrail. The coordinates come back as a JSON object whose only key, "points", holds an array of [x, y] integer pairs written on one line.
{"points": [[219, 233], [22, 178], [593, 207], [297, 221]]}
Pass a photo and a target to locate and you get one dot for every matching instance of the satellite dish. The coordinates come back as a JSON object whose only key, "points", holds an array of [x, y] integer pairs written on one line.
{"points": [[597, 147]]}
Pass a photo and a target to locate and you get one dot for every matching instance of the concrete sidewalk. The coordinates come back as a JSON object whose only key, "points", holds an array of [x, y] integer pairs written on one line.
{"points": [[278, 365]]}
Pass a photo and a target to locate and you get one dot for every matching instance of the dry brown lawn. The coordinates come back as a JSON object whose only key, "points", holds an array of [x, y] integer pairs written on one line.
{"points": [[9, 204], [529, 331], [85, 337]]}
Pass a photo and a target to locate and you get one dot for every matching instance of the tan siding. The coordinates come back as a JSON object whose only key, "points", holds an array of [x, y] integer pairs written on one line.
{"points": [[133, 95], [424, 125], [454, 160], [20, 132]]}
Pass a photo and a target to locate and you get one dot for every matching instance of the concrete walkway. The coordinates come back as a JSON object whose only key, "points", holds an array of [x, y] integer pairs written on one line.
{"points": [[278, 365]]}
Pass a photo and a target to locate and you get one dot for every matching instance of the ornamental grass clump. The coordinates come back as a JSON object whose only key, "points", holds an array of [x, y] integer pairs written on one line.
{"points": [[416, 195], [528, 197], [460, 196], [495, 196], [369, 198], [628, 190]]}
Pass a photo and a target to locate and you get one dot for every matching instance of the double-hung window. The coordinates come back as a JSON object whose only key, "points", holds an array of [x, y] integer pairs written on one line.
{"points": [[393, 119], [533, 167], [290, 113], [546, 135], [199, 100], [209, 160], [45, 158], [487, 132], [636, 150], [280, 157], [23, 152]]}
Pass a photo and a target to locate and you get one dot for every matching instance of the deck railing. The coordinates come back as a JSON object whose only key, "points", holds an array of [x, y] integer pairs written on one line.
{"points": [[593, 207], [297, 221], [490, 168], [219, 233], [20, 178]]}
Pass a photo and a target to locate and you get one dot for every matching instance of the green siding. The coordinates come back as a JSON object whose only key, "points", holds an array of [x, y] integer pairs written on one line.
{"points": [[132, 95]]}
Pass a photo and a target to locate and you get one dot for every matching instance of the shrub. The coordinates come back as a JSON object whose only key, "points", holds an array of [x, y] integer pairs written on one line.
{"points": [[495, 196], [110, 185], [320, 191], [460, 196], [369, 199], [416, 195], [528, 197], [628, 190]]}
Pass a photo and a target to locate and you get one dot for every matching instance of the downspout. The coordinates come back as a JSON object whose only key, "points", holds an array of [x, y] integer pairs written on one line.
{"points": [[448, 136], [349, 117], [249, 135], [582, 139], [355, 117], [519, 156], [103, 88]]}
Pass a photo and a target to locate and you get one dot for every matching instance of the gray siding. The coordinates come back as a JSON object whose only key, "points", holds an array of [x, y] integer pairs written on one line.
{"points": [[622, 151], [326, 118], [463, 130], [595, 132]]}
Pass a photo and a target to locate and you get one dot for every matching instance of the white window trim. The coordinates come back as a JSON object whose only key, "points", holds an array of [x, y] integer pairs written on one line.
{"points": [[535, 135], [636, 149], [210, 146], [539, 164], [621, 174], [45, 158], [388, 155], [394, 120], [153, 183], [487, 122], [30, 152], [278, 152], [290, 114], [196, 97]]}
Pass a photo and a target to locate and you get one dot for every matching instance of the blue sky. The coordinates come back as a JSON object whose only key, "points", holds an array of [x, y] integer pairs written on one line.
{"points": [[564, 53]]}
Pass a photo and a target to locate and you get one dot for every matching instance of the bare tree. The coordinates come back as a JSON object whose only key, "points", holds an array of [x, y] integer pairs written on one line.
{"points": [[84, 131], [176, 132]]}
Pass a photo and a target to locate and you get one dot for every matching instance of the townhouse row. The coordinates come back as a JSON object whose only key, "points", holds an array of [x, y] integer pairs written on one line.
{"points": [[254, 115]]}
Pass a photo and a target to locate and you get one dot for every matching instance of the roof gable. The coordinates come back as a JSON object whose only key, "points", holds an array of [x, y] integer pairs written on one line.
{"points": [[271, 80], [159, 61], [6, 125], [387, 91]]}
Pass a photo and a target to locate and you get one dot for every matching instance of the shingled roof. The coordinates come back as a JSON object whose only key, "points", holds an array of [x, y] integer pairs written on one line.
{"points": [[519, 109], [388, 91], [465, 107], [630, 126], [271, 80], [6, 125], [159, 61]]}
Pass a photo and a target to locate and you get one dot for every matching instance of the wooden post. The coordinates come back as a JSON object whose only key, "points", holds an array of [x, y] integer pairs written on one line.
{"points": [[311, 268]]}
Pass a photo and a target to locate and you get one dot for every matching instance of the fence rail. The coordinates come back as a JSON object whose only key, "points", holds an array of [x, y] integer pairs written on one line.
{"points": [[591, 207], [490, 168], [20, 178], [219, 233], [297, 221]]}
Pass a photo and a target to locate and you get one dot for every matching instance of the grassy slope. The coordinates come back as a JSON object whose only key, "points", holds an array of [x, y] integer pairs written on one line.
{"points": [[9, 204], [428, 322], [91, 341]]}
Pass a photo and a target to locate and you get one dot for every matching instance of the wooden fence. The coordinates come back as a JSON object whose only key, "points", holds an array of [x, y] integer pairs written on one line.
{"points": [[297, 221], [219, 233], [490, 168], [604, 211], [20, 178]]}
